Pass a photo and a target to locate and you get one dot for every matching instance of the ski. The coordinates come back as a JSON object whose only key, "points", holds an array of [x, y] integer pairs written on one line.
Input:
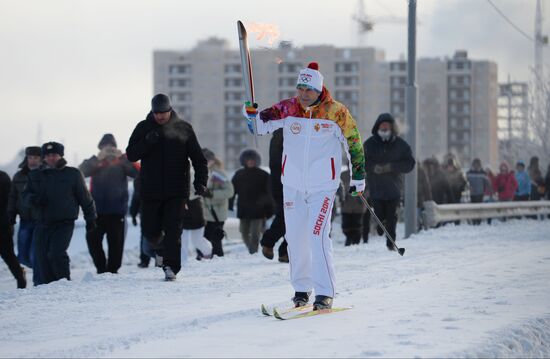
{"points": [[269, 313], [311, 313]]}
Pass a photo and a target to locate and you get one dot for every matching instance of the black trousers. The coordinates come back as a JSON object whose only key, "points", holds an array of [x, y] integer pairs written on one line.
{"points": [[52, 242], [277, 230], [386, 211], [211, 231], [161, 225], [7, 251], [114, 226], [476, 199]]}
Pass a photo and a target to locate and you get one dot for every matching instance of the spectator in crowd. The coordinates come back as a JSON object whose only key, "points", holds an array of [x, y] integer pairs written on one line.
{"points": [[456, 178], [254, 202], [547, 182], [146, 252], [538, 188], [424, 192], [505, 183], [6, 234], [277, 229], [215, 206], [387, 158], [479, 184], [523, 193], [109, 172], [25, 235], [441, 188], [165, 143], [55, 193], [355, 216], [193, 227]]}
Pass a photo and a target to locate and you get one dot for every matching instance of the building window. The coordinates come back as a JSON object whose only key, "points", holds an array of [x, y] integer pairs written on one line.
{"points": [[233, 69], [180, 96], [346, 67], [347, 81], [286, 94], [179, 69], [234, 96], [287, 81], [179, 83], [233, 82], [290, 67]]}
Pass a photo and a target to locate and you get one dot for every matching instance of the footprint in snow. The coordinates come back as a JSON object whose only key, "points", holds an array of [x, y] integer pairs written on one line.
{"points": [[449, 319]]}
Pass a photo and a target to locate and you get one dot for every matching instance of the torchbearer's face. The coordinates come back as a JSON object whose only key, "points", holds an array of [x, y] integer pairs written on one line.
{"points": [[162, 117], [307, 96]]}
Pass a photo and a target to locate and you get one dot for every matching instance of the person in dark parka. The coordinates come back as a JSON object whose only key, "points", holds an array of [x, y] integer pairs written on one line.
{"points": [[387, 158], [277, 229], [439, 182], [109, 172], [165, 143], [25, 242], [55, 192], [6, 234], [254, 201]]}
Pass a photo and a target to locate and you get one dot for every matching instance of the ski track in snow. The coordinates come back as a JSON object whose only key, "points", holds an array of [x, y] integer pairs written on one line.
{"points": [[459, 291]]}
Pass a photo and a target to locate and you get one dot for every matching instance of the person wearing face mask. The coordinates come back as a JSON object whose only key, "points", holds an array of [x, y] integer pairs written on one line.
{"points": [[315, 129], [387, 158]]}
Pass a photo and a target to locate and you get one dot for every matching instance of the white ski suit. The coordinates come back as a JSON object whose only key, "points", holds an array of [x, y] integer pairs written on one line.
{"points": [[311, 163]]}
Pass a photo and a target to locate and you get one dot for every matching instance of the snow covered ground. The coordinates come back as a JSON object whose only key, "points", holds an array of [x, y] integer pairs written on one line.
{"points": [[458, 291]]}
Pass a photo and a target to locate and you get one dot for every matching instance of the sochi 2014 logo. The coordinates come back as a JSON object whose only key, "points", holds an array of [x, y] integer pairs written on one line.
{"points": [[295, 128]]}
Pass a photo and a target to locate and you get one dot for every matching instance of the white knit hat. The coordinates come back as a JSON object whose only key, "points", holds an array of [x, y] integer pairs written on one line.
{"points": [[311, 77]]}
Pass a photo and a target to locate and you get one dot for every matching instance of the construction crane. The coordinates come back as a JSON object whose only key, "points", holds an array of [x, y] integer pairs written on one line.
{"points": [[365, 23]]}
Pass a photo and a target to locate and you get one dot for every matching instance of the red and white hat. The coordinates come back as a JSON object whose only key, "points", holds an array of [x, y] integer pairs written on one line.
{"points": [[311, 77]]}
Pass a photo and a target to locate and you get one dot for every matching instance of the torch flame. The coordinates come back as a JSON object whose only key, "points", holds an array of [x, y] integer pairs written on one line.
{"points": [[270, 32]]}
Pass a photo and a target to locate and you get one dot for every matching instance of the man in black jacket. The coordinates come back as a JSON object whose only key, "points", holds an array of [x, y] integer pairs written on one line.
{"points": [[277, 229], [109, 171], [164, 143], [55, 193], [387, 157], [6, 234]]}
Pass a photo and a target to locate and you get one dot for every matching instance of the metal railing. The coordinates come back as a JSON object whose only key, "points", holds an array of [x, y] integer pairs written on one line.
{"points": [[439, 213]]}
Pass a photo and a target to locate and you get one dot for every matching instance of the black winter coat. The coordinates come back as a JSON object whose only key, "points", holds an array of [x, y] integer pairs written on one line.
{"points": [[165, 164], [56, 193], [5, 185], [387, 186], [15, 202], [109, 184], [252, 187]]}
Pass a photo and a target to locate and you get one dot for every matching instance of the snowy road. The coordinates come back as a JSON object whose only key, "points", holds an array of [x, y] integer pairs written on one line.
{"points": [[458, 291]]}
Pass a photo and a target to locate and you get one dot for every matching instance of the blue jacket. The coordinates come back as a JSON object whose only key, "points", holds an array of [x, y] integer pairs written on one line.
{"points": [[524, 183]]}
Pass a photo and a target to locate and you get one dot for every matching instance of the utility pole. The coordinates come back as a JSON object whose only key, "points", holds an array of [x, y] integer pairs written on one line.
{"points": [[411, 222]]}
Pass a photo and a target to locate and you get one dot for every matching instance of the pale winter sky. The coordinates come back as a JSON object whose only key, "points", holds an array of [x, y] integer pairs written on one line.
{"points": [[82, 68]]}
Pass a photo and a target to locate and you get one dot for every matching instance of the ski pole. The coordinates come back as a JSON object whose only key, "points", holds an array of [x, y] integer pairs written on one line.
{"points": [[401, 251]]}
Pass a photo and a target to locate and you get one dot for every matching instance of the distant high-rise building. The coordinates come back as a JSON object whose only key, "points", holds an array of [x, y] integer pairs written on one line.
{"points": [[513, 112], [457, 106]]}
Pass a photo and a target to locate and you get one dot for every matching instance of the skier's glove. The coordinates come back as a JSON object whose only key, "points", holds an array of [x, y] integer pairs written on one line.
{"points": [[383, 168], [356, 187], [250, 111]]}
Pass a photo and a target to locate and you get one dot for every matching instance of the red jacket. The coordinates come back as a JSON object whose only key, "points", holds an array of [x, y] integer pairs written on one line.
{"points": [[505, 184]]}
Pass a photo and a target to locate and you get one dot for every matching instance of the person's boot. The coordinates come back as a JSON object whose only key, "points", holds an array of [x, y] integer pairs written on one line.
{"points": [[143, 265], [22, 279], [390, 245], [322, 302], [283, 258], [267, 252], [300, 299], [169, 274]]}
